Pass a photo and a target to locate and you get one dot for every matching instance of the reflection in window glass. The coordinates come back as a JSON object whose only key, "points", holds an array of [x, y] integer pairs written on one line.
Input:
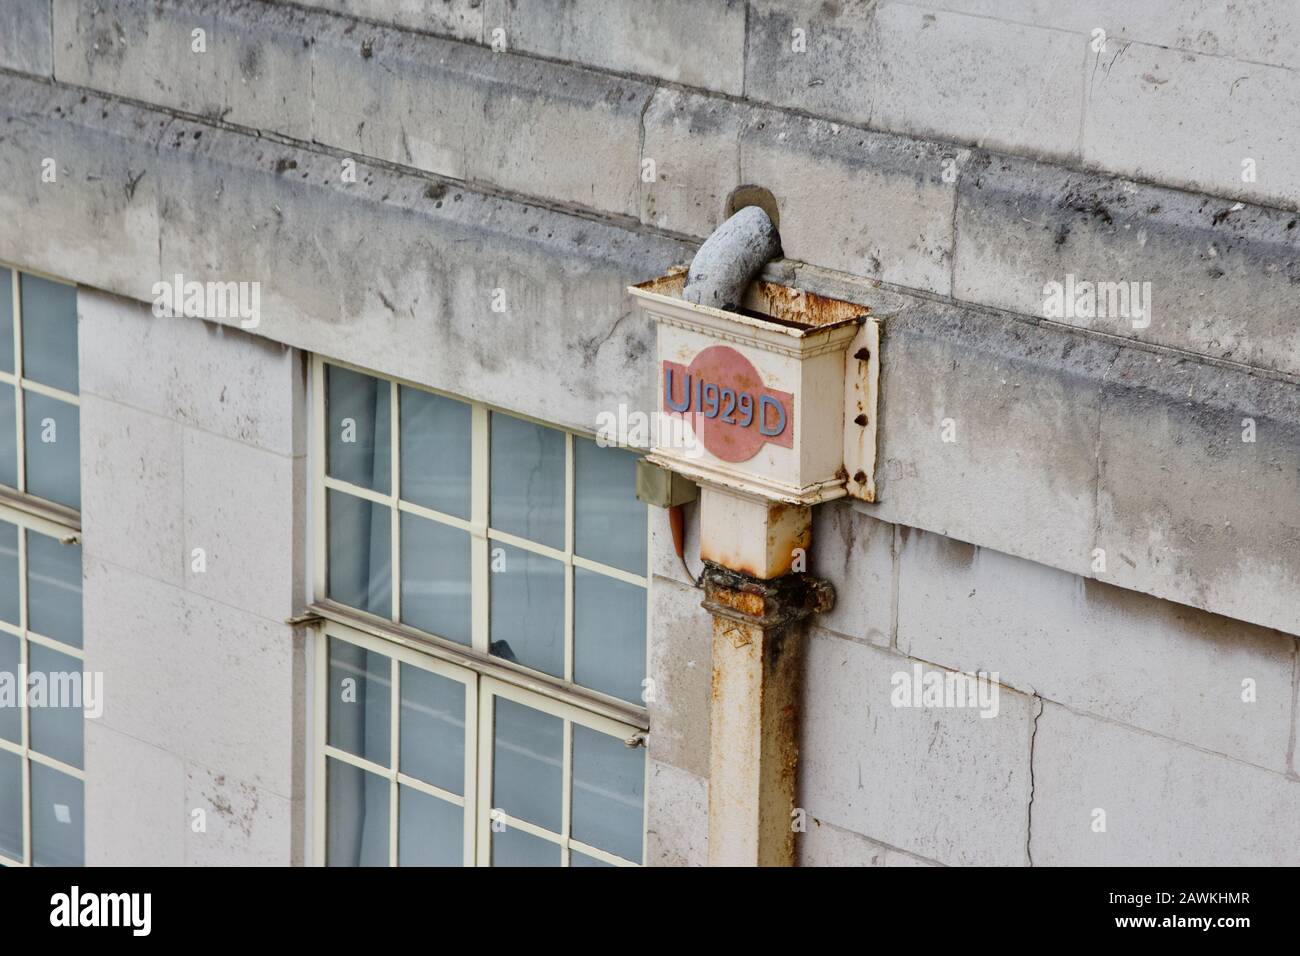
{"points": [[54, 588], [357, 832], [360, 553], [608, 793], [430, 831], [357, 445], [527, 609], [52, 444], [610, 523], [609, 634], [527, 486], [58, 818], [435, 452], [360, 699], [50, 332], [436, 578], [527, 763]]}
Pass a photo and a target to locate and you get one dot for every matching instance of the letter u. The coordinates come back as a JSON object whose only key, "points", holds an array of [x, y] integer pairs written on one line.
{"points": [[668, 391]]}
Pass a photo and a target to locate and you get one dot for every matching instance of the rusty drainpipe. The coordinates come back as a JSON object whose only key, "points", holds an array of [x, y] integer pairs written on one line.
{"points": [[760, 608]]}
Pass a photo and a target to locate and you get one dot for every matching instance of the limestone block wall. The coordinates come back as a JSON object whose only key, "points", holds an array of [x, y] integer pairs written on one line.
{"points": [[1104, 509]]}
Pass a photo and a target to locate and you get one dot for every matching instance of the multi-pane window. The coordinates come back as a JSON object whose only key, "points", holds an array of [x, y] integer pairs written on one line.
{"points": [[40, 420], [43, 685], [468, 529]]}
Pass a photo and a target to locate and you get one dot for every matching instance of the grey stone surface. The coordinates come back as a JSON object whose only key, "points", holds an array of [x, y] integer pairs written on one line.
{"points": [[462, 19], [533, 127], [1186, 509], [694, 143], [98, 217], [254, 68], [922, 72], [201, 680], [243, 825], [1127, 657], [1221, 275], [681, 666], [1191, 121], [26, 28], [240, 509], [135, 799], [824, 844], [1267, 31], [201, 374], [944, 784], [1022, 403], [677, 817], [1165, 804], [855, 553], [694, 42], [856, 201], [132, 489]]}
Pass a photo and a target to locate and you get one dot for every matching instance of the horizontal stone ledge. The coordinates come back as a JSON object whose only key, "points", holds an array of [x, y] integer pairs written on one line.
{"points": [[480, 295], [1172, 268], [1065, 442], [1136, 467], [864, 202]]}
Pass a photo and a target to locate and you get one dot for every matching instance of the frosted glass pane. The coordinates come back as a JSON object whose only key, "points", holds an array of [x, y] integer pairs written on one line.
{"points": [[528, 480], [435, 452], [360, 553], [49, 332], [528, 749], [360, 701], [609, 524], [54, 588], [517, 848], [608, 793], [432, 728], [8, 572], [6, 320], [52, 433], [11, 805], [581, 859], [609, 634], [11, 720], [436, 578], [358, 816], [430, 832], [57, 724], [527, 608], [8, 436], [358, 428], [58, 818]]}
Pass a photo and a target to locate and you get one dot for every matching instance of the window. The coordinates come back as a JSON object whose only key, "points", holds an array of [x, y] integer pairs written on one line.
{"points": [[41, 657], [485, 580], [40, 419]]}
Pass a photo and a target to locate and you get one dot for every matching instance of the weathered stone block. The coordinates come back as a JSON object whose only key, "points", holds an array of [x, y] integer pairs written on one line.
{"points": [[860, 202], [943, 783], [250, 66], [1165, 804], [1134, 659], [1219, 275]]}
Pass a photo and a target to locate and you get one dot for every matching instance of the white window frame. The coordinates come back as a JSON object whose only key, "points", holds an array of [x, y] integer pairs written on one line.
{"points": [[25, 521], [488, 676], [20, 497], [28, 512], [480, 693]]}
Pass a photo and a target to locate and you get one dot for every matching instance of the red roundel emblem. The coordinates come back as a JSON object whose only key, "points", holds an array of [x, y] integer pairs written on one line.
{"points": [[723, 397]]}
